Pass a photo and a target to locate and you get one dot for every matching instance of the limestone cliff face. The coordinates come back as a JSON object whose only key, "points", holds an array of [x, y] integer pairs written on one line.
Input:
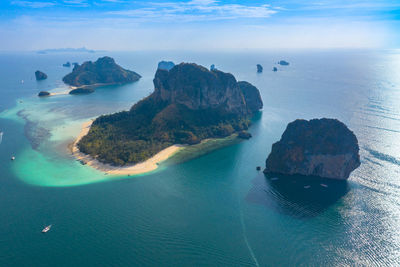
{"points": [[102, 71], [198, 88], [251, 95], [319, 147]]}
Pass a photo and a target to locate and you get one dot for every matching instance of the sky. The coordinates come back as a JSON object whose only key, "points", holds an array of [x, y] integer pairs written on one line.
{"points": [[198, 24]]}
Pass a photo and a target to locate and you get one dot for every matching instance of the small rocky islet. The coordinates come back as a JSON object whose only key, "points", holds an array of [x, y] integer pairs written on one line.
{"points": [[283, 63], [43, 93], [39, 75], [165, 65], [259, 68], [323, 148]]}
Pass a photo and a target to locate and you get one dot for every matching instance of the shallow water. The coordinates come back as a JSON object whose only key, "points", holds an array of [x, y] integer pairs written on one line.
{"points": [[215, 209]]}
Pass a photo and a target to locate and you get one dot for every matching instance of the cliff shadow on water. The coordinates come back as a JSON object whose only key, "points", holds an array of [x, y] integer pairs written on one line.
{"points": [[298, 196]]}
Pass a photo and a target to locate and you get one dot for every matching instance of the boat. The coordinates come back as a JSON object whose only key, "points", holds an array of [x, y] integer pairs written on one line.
{"points": [[307, 186], [1, 137], [46, 229], [12, 158], [324, 185]]}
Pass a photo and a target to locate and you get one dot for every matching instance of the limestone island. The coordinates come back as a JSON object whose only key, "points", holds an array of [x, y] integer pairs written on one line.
{"points": [[40, 75], [259, 68], [102, 72], [283, 63], [67, 65], [274, 69], [320, 147], [165, 65], [43, 93], [189, 104]]}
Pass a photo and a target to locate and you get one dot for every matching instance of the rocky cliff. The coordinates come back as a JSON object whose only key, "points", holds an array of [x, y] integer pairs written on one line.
{"points": [[102, 71], [198, 88], [319, 147]]}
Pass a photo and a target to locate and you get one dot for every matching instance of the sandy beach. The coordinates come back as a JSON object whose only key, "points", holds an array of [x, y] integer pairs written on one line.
{"points": [[149, 165]]}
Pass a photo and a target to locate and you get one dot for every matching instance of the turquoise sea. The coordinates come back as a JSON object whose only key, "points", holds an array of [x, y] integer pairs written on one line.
{"points": [[215, 209]]}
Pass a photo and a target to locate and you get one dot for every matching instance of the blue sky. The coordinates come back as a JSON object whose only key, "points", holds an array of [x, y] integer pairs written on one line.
{"points": [[199, 24]]}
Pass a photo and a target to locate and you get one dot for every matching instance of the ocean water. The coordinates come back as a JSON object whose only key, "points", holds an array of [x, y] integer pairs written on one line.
{"points": [[214, 209]]}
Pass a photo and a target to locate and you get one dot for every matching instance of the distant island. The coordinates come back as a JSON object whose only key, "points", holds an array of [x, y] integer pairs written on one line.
{"points": [[39, 75], [43, 93], [283, 63], [104, 71], [166, 65], [189, 104], [66, 50], [259, 68]]}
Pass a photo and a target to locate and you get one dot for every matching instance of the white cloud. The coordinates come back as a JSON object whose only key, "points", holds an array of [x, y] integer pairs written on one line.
{"points": [[76, 3], [196, 10], [33, 4]]}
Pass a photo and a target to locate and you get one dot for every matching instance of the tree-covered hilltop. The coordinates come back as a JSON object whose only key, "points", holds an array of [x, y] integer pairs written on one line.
{"points": [[103, 71], [189, 104]]}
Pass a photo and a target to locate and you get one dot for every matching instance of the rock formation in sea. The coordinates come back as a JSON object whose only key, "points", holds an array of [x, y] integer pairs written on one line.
{"points": [[244, 135], [40, 75], [101, 72], [319, 147], [68, 64], [82, 90], [43, 93], [283, 63], [252, 96], [259, 68], [274, 69], [165, 65], [190, 103]]}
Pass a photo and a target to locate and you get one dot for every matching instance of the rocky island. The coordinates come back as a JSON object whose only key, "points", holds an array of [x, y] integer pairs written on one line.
{"points": [[104, 71], [319, 147], [283, 63], [43, 93], [259, 68], [166, 65], [40, 75], [189, 104]]}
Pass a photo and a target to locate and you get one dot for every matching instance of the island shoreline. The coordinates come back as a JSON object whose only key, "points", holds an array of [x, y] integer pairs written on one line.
{"points": [[149, 165]]}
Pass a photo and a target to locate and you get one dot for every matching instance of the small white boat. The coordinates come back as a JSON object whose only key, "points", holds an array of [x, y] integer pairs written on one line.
{"points": [[12, 158], [46, 229], [1, 137], [324, 185], [307, 186]]}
